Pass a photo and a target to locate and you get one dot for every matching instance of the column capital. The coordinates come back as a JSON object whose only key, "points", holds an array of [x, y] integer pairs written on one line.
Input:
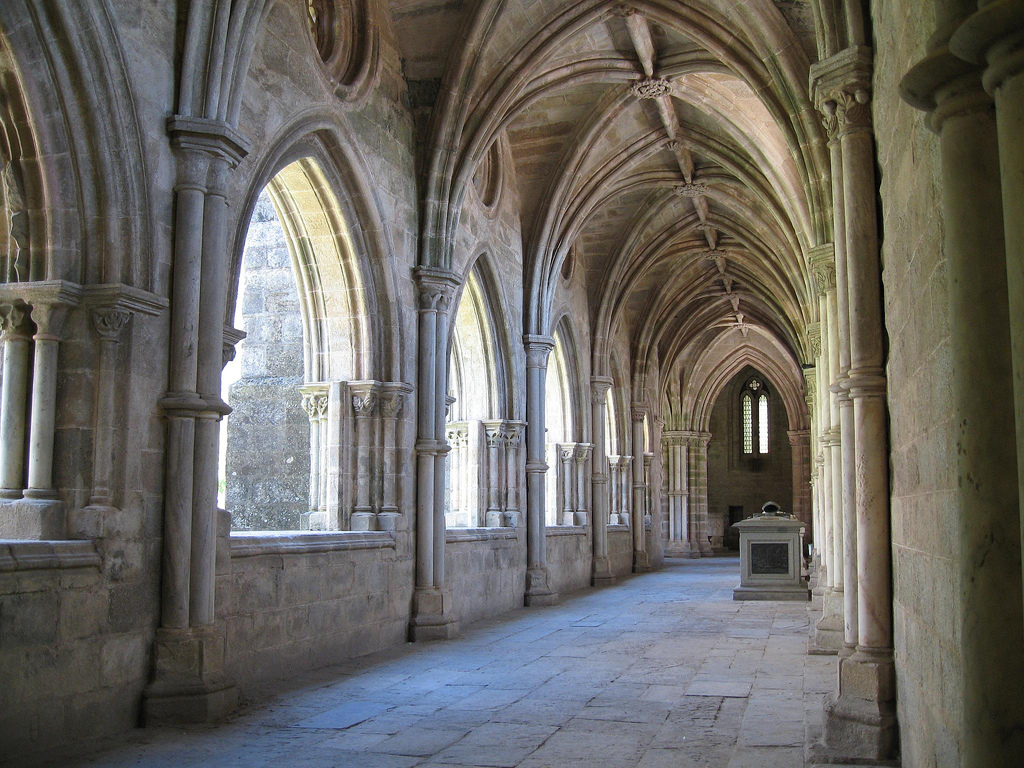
{"points": [[943, 85], [213, 139], [822, 261], [110, 322], [537, 349], [866, 383], [637, 412], [365, 396], [494, 433], [232, 336], [599, 387], [513, 432], [436, 288], [813, 334], [840, 88], [392, 398], [583, 452], [14, 322], [799, 436], [993, 36]]}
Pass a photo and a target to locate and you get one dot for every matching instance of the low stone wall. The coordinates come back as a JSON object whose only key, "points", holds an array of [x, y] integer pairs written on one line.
{"points": [[296, 602], [486, 571], [620, 550], [570, 557]]}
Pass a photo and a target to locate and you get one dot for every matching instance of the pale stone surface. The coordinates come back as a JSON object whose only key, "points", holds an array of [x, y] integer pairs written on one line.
{"points": [[662, 670]]}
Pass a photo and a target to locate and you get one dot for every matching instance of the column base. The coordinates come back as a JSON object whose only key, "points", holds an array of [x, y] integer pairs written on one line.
{"points": [[705, 549], [601, 573], [830, 631], [363, 520], [389, 520], [189, 683], [432, 616], [641, 562], [678, 548], [860, 720], [538, 589]]}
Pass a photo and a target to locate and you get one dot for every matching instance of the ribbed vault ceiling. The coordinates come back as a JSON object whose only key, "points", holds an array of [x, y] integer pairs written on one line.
{"points": [[671, 145]]}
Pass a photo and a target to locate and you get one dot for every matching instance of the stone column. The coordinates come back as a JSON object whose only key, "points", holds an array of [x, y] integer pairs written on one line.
{"points": [[692, 500], [799, 446], [703, 543], [640, 561], [580, 456], [981, 324], [513, 439], [567, 481], [538, 586], [109, 324], [993, 37], [860, 719], [14, 402], [309, 405], [613, 489], [364, 406], [625, 470], [432, 618], [189, 683], [324, 429], [392, 400], [49, 320], [600, 479], [494, 436]]}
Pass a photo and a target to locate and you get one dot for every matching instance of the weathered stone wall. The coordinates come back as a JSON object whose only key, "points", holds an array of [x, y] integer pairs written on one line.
{"points": [[925, 535], [737, 481], [569, 551], [620, 551], [288, 612], [486, 577], [267, 468]]}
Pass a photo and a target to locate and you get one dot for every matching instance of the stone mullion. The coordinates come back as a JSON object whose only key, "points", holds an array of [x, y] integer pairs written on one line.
{"points": [[580, 456], [600, 479], [513, 439], [109, 324], [364, 405], [494, 440]]}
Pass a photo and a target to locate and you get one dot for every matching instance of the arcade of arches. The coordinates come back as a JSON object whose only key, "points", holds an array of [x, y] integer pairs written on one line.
{"points": [[330, 325]]}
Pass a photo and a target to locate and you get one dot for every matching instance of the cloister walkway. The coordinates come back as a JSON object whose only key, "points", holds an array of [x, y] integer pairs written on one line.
{"points": [[662, 670]]}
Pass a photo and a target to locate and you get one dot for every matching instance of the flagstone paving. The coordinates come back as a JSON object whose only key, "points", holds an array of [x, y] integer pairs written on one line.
{"points": [[662, 670]]}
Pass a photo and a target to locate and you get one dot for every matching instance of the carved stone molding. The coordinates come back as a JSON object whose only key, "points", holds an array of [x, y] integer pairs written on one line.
{"points": [[651, 87]]}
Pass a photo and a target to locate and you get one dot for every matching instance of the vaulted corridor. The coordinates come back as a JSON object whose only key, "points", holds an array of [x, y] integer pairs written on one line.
{"points": [[662, 670]]}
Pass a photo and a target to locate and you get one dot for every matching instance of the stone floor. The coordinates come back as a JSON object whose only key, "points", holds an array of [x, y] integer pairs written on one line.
{"points": [[662, 670]]}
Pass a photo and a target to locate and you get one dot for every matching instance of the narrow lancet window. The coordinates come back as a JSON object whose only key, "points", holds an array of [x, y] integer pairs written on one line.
{"points": [[748, 424], [762, 423]]}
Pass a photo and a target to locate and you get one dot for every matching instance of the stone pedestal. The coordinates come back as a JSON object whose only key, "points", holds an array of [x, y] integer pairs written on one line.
{"points": [[189, 684], [770, 559], [829, 631], [538, 589], [860, 718]]}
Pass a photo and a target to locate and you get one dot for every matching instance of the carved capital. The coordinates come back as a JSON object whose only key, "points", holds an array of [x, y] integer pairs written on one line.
{"points": [[583, 452], [12, 322], [566, 451], [49, 320], [822, 260], [364, 403], [599, 387], [513, 433], [850, 110], [651, 87], [494, 433], [109, 322], [537, 350], [841, 90], [391, 404], [637, 412], [813, 344], [436, 288]]}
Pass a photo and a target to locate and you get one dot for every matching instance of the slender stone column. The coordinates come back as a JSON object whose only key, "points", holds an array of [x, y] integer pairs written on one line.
{"points": [[323, 427], [692, 496], [580, 456], [14, 403], [493, 432], [391, 403], [364, 406], [600, 481], [991, 620], [49, 320], [538, 586], [309, 406], [703, 544], [625, 469], [513, 439], [860, 720], [567, 477], [994, 36], [640, 561], [613, 487], [109, 324]]}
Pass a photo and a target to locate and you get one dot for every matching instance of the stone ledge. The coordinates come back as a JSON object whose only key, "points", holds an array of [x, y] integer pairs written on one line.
{"points": [[618, 529], [565, 530], [456, 535], [48, 555], [246, 544]]}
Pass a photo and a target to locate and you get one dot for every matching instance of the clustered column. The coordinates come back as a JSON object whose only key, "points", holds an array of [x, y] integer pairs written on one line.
{"points": [[971, 84], [189, 681], [432, 610], [640, 562], [600, 481], [538, 586], [860, 717]]}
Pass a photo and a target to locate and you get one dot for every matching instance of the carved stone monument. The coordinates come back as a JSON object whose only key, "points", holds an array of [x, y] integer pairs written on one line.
{"points": [[770, 557]]}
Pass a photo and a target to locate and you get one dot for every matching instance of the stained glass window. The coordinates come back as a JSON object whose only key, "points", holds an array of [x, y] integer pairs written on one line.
{"points": [[748, 424], [762, 423]]}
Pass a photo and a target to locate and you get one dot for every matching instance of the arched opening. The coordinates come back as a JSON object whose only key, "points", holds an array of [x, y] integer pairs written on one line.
{"points": [[479, 464], [303, 350], [560, 427], [747, 466]]}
